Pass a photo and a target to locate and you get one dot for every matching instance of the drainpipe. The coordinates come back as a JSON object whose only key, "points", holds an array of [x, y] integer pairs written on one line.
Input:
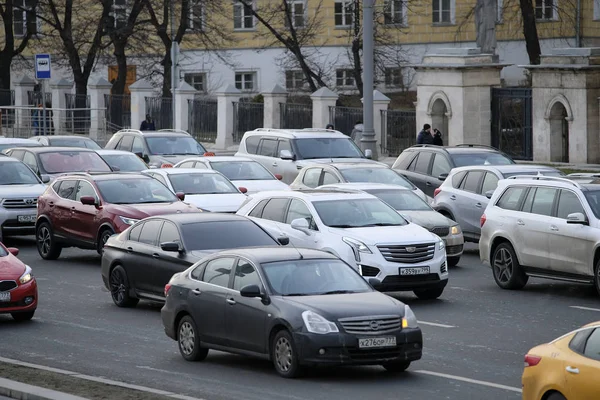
{"points": [[578, 24]]}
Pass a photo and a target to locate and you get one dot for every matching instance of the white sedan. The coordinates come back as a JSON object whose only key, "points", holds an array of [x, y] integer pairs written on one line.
{"points": [[206, 189], [240, 171]]}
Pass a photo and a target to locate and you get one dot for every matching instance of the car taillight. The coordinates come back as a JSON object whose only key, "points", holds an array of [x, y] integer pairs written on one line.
{"points": [[482, 220], [532, 361], [167, 288], [436, 192]]}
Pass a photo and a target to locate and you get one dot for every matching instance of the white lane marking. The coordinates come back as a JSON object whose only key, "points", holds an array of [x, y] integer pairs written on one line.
{"points": [[586, 308], [469, 380], [436, 324]]}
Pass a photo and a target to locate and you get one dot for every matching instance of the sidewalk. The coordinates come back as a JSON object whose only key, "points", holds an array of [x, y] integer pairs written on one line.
{"points": [[23, 391]]}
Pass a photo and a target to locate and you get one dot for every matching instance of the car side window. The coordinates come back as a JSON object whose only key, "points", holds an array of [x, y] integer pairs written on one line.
{"points": [[577, 343], [267, 147], [284, 144], [413, 163], [311, 177], [160, 178], [422, 166], [528, 201], [245, 274], [275, 209], [404, 160], [84, 189], [217, 271], [471, 182], [490, 182], [18, 154], [252, 144], [138, 145], [568, 203], [197, 272], [114, 142], [67, 190], [329, 178], [169, 233], [592, 347], [30, 161], [543, 201], [440, 165], [126, 143], [56, 186], [150, 232], [134, 233], [187, 164], [258, 209], [298, 210], [458, 178], [511, 198]]}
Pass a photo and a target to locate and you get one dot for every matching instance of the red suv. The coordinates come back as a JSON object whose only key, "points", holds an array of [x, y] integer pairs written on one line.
{"points": [[83, 210], [18, 288]]}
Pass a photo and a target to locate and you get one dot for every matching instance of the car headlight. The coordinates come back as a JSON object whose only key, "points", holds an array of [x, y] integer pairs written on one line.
{"points": [[357, 247], [26, 277], [128, 221], [317, 324], [441, 245], [410, 319], [455, 230]]}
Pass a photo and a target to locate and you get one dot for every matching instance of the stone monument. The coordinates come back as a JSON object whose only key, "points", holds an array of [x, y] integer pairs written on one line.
{"points": [[485, 25]]}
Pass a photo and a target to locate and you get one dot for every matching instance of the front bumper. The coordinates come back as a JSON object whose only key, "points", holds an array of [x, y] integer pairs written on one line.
{"points": [[342, 348], [18, 298], [9, 221], [454, 245]]}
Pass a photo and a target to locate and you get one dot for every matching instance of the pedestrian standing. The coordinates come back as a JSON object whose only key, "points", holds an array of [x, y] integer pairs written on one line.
{"points": [[330, 127], [437, 138], [425, 136], [148, 124], [357, 132]]}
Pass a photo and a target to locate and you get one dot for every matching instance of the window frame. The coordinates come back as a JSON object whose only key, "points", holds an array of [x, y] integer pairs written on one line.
{"points": [[62, 182], [561, 190], [243, 81], [117, 10], [437, 15], [240, 260], [390, 11], [389, 78], [519, 206], [155, 243], [229, 281], [545, 4], [554, 201], [193, 18], [346, 74], [292, 82], [292, 8], [312, 225], [189, 77], [319, 174], [346, 13], [21, 8], [243, 17], [431, 155], [79, 181], [283, 213], [165, 223]]}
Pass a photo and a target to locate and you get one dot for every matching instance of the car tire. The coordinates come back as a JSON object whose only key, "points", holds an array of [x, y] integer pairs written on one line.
{"points": [[188, 340], [506, 269], [428, 294], [284, 355], [46, 242], [453, 261], [556, 396], [23, 316], [102, 238], [119, 288], [396, 367], [597, 277]]}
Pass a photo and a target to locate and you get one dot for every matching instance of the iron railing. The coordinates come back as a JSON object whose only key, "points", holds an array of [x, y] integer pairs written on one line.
{"points": [[7, 98], [398, 131], [295, 116], [202, 117], [34, 98], [344, 118], [118, 111], [247, 116], [78, 113], [512, 122], [161, 111]]}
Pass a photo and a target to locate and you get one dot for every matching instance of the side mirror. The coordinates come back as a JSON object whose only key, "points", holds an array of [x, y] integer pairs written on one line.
{"points": [[286, 155], [376, 283], [489, 194], [243, 189], [146, 159], [369, 154], [139, 154], [170, 247], [45, 179], [279, 176], [180, 196], [284, 240], [301, 224], [13, 250], [577, 218], [250, 291], [88, 200], [442, 177]]}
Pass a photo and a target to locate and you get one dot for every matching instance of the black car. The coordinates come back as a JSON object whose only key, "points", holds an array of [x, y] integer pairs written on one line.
{"points": [[427, 166], [295, 307], [139, 262]]}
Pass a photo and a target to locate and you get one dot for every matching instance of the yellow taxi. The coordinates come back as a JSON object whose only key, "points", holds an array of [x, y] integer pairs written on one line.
{"points": [[566, 368]]}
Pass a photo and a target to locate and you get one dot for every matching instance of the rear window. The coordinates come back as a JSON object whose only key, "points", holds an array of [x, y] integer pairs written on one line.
{"points": [[511, 198], [73, 161], [483, 158], [225, 234]]}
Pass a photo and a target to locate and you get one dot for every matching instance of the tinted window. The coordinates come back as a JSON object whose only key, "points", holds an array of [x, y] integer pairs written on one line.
{"points": [[197, 272], [490, 182], [329, 178], [568, 203], [134, 233], [84, 189], [311, 177], [30, 160], [274, 210], [138, 145], [471, 182], [67, 189], [356, 213], [16, 173], [593, 199], [440, 165], [225, 234], [528, 201], [242, 170], [403, 160], [457, 178], [134, 191], [197, 183], [284, 145], [543, 201], [217, 271], [483, 158], [422, 165], [297, 210], [592, 347], [376, 175], [258, 210], [73, 161], [511, 198], [267, 147], [125, 162], [252, 144], [169, 233], [177, 145], [126, 143], [578, 342], [327, 148], [56, 186], [245, 275], [150, 232]]}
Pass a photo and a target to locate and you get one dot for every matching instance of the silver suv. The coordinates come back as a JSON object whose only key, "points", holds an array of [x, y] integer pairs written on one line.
{"points": [[466, 191], [546, 227]]}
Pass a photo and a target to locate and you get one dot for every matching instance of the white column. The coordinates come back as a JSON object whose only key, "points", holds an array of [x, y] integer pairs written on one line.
{"points": [[272, 99], [322, 99], [380, 103], [97, 90], [59, 89], [226, 96], [139, 91], [23, 117], [183, 93]]}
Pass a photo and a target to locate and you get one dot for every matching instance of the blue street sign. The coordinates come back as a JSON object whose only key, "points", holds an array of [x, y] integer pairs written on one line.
{"points": [[42, 66]]}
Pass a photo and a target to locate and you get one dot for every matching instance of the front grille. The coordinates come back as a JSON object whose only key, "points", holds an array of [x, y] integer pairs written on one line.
{"points": [[20, 203], [395, 279], [412, 254], [369, 271], [454, 249], [441, 231], [443, 268], [5, 286], [371, 325]]}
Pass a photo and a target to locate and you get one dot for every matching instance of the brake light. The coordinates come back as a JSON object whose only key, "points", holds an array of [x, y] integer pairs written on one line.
{"points": [[482, 220], [532, 361], [436, 192], [167, 288]]}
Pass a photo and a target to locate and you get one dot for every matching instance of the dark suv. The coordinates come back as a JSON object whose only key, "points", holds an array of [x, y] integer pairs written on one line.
{"points": [[83, 210], [427, 166]]}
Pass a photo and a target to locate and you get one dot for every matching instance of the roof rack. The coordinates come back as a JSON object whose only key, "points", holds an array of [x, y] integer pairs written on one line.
{"points": [[427, 145], [174, 130], [540, 177], [484, 146], [129, 130]]}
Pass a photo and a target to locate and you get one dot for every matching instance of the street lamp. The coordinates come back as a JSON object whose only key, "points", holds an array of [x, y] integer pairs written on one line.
{"points": [[368, 141], [173, 61]]}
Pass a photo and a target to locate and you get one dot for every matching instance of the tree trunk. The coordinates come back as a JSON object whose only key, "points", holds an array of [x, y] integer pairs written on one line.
{"points": [[357, 46], [532, 40], [167, 64], [5, 62], [121, 57]]}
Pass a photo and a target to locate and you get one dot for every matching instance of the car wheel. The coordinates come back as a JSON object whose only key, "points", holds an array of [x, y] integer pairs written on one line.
{"points": [[23, 316], [453, 261], [46, 242], [556, 396], [429, 294], [189, 342], [506, 268], [597, 277], [102, 238], [285, 356], [399, 366], [119, 288]]}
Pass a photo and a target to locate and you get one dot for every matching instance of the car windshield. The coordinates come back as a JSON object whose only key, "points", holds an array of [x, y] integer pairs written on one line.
{"points": [[17, 173], [483, 158], [327, 148], [174, 145], [593, 199], [242, 170], [124, 162], [135, 191], [401, 200], [357, 213], [375, 175], [545, 173], [73, 161], [313, 277], [6, 146], [224, 234], [75, 142], [201, 184]]}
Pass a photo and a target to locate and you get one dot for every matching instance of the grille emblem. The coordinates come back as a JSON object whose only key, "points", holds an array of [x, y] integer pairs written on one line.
{"points": [[375, 325], [29, 201], [411, 249]]}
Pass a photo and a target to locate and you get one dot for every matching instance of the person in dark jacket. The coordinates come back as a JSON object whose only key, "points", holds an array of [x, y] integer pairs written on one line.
{"points": [[437, 138], [148, 124], [425, 136]]}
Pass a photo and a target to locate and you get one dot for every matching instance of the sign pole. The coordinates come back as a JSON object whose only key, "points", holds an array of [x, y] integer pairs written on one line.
{"points": [[43, 73], [44, 108]]}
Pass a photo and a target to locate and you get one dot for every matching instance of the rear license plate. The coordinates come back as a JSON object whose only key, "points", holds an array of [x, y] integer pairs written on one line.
{"points": [[26, 218], [4, 297], [369, 343], [414, 271]]}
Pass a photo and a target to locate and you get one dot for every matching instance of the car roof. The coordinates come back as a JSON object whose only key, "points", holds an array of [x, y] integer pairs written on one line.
{"points": [[173, 171], [315, 194], [509, 168], [262, 255], [364, 186], [308, 133], [52, 149], [155, 133], [193, 218], [78, 137], [114, 152], [104, 176], [560, 182]]}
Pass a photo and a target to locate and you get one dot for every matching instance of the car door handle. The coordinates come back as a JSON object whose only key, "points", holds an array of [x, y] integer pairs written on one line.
{"points": [[129, 249], [554, 228], [197, 292], [427, 183], [73, 209], [156, 255], [478, 205], [572, 370], [231, 301], [274, 164], [453, 197], [520, 222], [51, 204]]}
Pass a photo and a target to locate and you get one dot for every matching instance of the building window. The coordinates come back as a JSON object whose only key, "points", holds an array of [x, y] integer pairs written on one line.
{"points": [[295, 80], [442, 11], [544, 10], [344, 13], [245, 81], [394, 12], [20, 25], [393, 77], [297, 13], [596, 10], [197, 80], [242, 16], [500, 13], [120, 13], [196, 15], [344, 78]]}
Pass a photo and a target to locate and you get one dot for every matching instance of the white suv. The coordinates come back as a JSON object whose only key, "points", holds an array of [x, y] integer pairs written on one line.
{"points": [[360, 229], [546, 227]]}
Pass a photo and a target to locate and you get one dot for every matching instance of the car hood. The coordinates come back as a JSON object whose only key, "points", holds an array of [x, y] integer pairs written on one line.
{"points": [[337, 306], [303, 163], [261, 186], [405, 234], [11, 268], [20, 191], [140, 211], [226, 202], [427, 219]]}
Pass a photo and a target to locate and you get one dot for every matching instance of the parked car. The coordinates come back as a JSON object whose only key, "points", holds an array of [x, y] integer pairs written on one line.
{"points": [[50, 162], [343, 172], [123, 161], [18, 288], [295, 307], [541, 226], [240, 171], [19, 191], [414, 209], [465, 193], [567, 367], [286, 151], [162, 148], [138, 263], [204, 188], [427, 166], [67, 141], [584, 177], [85, 210], [360, 229], [9, 143]]}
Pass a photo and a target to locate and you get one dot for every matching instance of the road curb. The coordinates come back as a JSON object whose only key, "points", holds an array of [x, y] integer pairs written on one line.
{"points": [[23, 391]]}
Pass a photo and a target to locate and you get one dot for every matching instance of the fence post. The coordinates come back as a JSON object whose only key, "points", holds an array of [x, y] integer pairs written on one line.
{"points": [[139, 91], [22, 86], [272, 100], [58, 90], [380, 102], [322, 99], [98, 90], [183, 93], [226, 96]]}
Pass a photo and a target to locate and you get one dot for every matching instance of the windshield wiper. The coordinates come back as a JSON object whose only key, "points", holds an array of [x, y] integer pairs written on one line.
{"points": [[14, 183], [381, 224], [339, 292], [299, 294], [344, 226]]}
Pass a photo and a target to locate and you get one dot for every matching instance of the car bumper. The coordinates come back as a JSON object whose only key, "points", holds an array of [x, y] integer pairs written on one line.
{"points": [[167, 314], [10, 225], [22, 299], [454, 245], [342, 348]]}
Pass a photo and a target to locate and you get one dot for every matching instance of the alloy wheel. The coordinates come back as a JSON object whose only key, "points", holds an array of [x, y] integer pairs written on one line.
{"points": [[117, 286], [44, 240], [503, 265], [283, 354], [187, 336]]}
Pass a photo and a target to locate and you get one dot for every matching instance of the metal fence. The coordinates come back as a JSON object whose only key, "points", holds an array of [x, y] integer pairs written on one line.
{"points": [[78, 113], [202, 117], [7, 98], [34, 98], [246, 117], [344, 118], [118, 111], [161, 111], [398, 131], [512, 122], [295, 116]]}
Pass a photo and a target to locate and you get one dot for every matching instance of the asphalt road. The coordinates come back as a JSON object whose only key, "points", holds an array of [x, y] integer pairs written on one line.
{"points": [[475, 338]]}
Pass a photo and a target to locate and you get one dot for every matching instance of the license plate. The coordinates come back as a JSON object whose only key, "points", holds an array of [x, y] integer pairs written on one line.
{"points": [[26, 218], [369, 343], [414, 271], [4, 297]]}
